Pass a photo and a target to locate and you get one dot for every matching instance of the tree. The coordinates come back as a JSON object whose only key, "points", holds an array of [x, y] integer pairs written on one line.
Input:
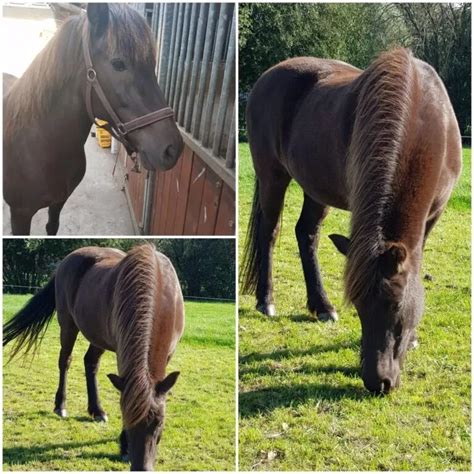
{"points": [[205, 267], [439, 34]]}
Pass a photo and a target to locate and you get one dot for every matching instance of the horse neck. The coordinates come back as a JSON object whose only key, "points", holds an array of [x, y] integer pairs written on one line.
{"points": [[134, 306], [52, 100], [376, 150]]}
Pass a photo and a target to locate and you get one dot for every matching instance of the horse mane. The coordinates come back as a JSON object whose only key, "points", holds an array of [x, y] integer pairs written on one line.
{"points": [[134, 307], [61, 61], [381, 117]]}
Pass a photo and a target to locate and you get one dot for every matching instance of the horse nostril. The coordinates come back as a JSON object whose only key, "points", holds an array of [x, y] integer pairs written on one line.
{"points": [[170, 152]]}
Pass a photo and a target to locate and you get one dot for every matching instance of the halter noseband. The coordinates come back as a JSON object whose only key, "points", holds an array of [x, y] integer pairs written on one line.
{"points": [[118, 128]]}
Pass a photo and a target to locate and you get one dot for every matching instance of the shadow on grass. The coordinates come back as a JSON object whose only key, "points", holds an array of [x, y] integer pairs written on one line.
{"points": [[268, 399], [46, 452], [288, 353]]}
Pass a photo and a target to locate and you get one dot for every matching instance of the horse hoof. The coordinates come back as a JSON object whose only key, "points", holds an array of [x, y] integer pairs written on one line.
{"points": [[103, 418], [61, 412], [267, 309], [330, 316]]}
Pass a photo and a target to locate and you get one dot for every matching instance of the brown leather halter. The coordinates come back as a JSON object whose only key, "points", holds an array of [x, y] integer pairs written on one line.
{"points": [[117, 128]]}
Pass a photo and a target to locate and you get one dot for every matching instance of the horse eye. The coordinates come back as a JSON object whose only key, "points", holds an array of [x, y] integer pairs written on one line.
{"points": [[118, 65]]}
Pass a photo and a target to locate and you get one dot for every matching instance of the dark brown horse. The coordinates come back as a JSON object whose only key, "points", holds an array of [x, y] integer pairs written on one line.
{"points": [[130, 304], [46, 119], [382, 143]]}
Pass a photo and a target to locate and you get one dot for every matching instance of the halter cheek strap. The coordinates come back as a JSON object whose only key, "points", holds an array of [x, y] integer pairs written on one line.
{"points": [[118, 129]]}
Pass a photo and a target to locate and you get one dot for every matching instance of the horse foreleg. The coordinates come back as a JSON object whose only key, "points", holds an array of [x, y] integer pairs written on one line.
{"points": [[68, 338], [124, 446], [21, 220], [307, 233], [271, 196], [53, 218], [91, 365]]}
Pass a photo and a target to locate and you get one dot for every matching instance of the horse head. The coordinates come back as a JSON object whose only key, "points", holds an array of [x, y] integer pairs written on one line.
{"points": [[139, 442], [389, 312], [123, 55]]}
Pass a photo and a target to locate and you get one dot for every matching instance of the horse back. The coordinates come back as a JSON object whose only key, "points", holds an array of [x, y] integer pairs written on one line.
{"points": [[296, 112], [84, 291]]}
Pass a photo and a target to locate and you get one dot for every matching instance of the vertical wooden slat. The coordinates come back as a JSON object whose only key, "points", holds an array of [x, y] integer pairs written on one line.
{"points": [[198, 178], [204, 75], [206, 123], [224, 103], [198, 51], [225, 223], [210, 204], [174, 100], [183, 195]]}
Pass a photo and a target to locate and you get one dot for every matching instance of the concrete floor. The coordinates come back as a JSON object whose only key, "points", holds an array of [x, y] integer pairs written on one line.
{"points": [[98, 206]]}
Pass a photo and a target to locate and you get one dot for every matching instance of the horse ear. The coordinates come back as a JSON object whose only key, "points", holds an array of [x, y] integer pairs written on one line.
{"points": [[98, 16], [165, 385], [117, 381], [393, 259], [341, 243]]}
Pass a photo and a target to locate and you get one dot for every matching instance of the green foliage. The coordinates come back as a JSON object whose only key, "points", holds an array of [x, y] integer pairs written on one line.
{"points": [[356, 33], [302, 402], [200, 424], [205, 267]]}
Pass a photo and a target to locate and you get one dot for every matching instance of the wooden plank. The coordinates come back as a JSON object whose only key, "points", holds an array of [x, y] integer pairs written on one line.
{"points": [[198, 178], [165, 199], [183, 194], [225, 223], [174, 196], [155, 218], [210, 204]]}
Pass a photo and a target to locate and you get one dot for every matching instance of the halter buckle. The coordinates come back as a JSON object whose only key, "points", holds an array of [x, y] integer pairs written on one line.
{"points": [[121, 129], [91, 74]]}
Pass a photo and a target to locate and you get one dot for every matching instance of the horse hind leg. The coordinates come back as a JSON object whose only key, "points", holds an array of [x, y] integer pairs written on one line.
{"points": [[307, 234], [271, 194], [21, 220], [69, 333], [53, 218], [91, 365]]}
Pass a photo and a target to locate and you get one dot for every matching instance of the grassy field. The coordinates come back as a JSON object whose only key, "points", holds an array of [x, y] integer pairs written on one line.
{"points": [[302, 402], [200, 423]]}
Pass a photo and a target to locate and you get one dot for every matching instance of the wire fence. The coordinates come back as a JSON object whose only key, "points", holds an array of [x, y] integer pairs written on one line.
{"points": [[186, 297]]}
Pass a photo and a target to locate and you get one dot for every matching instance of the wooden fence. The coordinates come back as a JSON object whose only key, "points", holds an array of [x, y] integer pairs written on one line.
{"points": [[196, 71]]}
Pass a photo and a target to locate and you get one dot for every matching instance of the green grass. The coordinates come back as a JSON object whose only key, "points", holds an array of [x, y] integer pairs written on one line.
{"points": [[200, 423], [302, 402]]}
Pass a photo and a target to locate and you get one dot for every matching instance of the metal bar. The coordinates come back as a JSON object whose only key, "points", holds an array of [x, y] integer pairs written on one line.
{"points": [[229, 78], [182, 57], [205, 131], [172, 48], [167, 29], [174, 71], [201, 32], [208, 43], [187, 63], [155, 17], [230, 152]]}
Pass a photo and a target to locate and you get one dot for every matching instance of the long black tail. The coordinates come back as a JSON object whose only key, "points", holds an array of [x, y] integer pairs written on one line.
{"points": [[28, 326], [251, 258]]}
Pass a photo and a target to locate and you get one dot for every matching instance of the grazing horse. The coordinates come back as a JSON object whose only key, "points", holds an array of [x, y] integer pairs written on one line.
{"points": [[382, 143], [97, 65], [130, 304]]}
